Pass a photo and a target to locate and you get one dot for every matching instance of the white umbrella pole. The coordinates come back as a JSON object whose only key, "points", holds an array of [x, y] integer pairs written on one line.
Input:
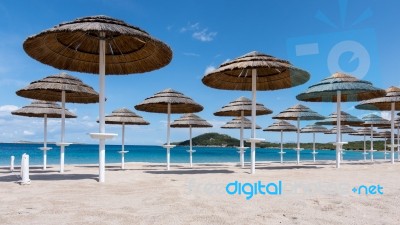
{"points": [[102, 129], [365, 149], [190, 143], [392, 134], [253, 120], [281, 153], [341, 152], [313, 147], [241, 139], [123, 147], [298, 140], [372, 143], [384, 146], [62, 147], [45, 143], [398, 142], [168, 134], [338, 129]]}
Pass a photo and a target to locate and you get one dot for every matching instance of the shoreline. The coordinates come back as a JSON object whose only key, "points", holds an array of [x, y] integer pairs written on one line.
{"points": [[308, 162]]}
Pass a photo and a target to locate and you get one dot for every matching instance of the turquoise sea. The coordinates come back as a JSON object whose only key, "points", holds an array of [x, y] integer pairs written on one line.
{"points": [[88, 154]]}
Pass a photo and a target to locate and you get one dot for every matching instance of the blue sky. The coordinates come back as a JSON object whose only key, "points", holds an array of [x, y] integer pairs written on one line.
{"points": [[203, 34]]}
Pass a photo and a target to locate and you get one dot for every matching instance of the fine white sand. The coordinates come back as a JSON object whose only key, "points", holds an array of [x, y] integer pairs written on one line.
{"points": [[145, 193]]}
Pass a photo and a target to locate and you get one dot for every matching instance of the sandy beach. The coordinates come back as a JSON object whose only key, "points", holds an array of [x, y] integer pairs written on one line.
{"points": [[148, 194]]}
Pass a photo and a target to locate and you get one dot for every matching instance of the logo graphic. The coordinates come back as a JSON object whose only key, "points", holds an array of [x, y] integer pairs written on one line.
{"points": [[368, 190], [251, 189], [352, 51]]}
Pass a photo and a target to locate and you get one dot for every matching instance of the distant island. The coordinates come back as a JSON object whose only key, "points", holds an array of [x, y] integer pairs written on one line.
{"points": [[224, 140]]}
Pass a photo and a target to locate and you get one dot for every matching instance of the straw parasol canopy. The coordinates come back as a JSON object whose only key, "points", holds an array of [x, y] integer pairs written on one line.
{"points": [[272, 73], [159, 102], [255, 71], [240, 123], [340, 87], [298, 112], [345, 119], [345, 129], [390, 102], [281, 125], [242, 104], [50, 89], [190, 120], [41, 109], [44, 109], [351, 90], [103, 45], [385, 134], [363, 131], [74, 46], [64, 88], [372, 120], [235, 123], [382, 103], [169, 101], [242, 107], [126, 117], [314, 128], [375, 121]]}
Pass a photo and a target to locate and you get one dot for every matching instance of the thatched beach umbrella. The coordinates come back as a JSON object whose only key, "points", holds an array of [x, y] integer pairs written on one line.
{"points": [[345, 129], [297, 113], [239, 123], [124, 117], [345, 119], [372, 120], [43, 109], [364, 132], [99, 45], [397, 124], [190, 120], [169, 101], [390, 102], [242, 107], [255, 71], [385, 135], [281, 126], [61, 88], [340, 88], [313, 128], [236, 123]]}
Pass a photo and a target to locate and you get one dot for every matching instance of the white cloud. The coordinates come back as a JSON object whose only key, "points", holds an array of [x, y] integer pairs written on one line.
{"points": [[191, 54], [209, 69], [5, 110], [204, 35], [198, 32], [28, 133], [190, 27]]}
